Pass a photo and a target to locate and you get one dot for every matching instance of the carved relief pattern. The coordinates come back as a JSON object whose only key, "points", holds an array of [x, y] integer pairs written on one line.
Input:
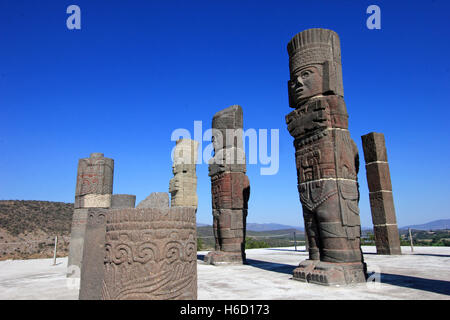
{"points": [[150, 255]]}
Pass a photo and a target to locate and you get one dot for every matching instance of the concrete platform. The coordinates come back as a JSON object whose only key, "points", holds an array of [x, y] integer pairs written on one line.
{"points": [[423, 274]]}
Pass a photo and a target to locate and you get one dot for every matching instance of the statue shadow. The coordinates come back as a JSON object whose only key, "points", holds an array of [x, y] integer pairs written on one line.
{"points": [[271, 266], [431, 285]]}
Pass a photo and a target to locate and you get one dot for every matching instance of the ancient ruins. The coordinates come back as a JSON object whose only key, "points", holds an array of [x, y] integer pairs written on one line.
{"points": [[230, 187], [385, 227], [93, 190], [326, 160], [149, 252]]}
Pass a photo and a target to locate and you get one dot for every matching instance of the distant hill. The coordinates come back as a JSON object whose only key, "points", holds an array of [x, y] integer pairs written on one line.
{"points": [[259, 227], [433, 225], [28, 228], [270, 227]]}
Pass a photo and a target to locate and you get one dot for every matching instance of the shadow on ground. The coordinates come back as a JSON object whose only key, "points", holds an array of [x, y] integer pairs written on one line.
{"points": [[415, 254], [436, 286], [271, 266]]}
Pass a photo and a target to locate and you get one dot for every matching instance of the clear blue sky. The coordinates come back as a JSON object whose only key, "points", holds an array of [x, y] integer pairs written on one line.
{"points": [[138, 69]]}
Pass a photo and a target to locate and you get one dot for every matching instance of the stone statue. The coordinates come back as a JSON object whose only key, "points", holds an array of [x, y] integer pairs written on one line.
{"points": [[326, 159], [230, 187], [183, 186]]}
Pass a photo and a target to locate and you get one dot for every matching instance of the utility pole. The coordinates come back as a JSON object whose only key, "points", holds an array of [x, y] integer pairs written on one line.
{"points": [[295, 242], [54, 252], [411, 240]]}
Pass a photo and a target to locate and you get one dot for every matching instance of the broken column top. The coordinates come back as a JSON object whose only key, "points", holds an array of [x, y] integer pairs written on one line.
{"points": [[229, 118], [374, 147], [97, 155]]}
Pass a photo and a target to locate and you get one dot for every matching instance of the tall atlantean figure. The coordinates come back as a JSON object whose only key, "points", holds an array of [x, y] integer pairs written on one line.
{"points": [[230, 187], [326, 159]]}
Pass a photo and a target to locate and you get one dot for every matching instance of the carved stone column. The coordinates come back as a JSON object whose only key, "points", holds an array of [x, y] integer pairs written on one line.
{"points": [[326, 160], [93, 190], [230, 188]]}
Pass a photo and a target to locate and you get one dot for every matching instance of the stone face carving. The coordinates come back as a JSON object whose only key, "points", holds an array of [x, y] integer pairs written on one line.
{"points": [[326, 159], [93, 190], [155, 200], [387, 238], [183, 186], [150, 254], [230, 187]]}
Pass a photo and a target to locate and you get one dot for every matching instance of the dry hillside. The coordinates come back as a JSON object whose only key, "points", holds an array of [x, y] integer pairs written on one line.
{"points": [[28, 228]]}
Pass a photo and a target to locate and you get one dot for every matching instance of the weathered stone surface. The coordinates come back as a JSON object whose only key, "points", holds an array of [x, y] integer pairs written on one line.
{"points": [[93, 190], [382, 207], [378, 176], [230, 187], [151, 254], [77, 233], [121, 201], [155, 200], [95, 176], [183, 186], [374, 147], [326, 159], [387, 238], [94, 201], [93, 255]]}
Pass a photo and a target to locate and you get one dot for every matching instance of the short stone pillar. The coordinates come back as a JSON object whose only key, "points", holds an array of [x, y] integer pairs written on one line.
{"points": [[230, 188], [93, 190], [385, 227], [183, 185], [151, 254]]}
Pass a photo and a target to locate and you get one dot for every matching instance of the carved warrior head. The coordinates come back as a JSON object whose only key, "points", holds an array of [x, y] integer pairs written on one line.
{"points": [[314, 65]]}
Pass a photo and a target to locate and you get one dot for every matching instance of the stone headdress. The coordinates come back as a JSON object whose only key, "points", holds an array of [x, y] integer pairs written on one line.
{"points": [[318, 46]]}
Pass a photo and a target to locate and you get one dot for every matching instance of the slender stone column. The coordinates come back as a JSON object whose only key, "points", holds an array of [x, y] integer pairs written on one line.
{"points": [[93, 190], [326, 159], [385, 227], [230, 187]]}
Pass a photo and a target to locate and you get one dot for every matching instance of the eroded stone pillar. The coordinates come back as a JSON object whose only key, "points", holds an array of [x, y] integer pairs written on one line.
{"points": [[93, 190], [326, 160], [151, 254], [230, 187], [387, 239], [183, 186]]}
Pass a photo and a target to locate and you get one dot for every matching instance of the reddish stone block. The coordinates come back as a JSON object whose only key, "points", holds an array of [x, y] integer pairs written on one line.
{"points": [[382, 207], [387, 239], [374, 147], [378, 176]]}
